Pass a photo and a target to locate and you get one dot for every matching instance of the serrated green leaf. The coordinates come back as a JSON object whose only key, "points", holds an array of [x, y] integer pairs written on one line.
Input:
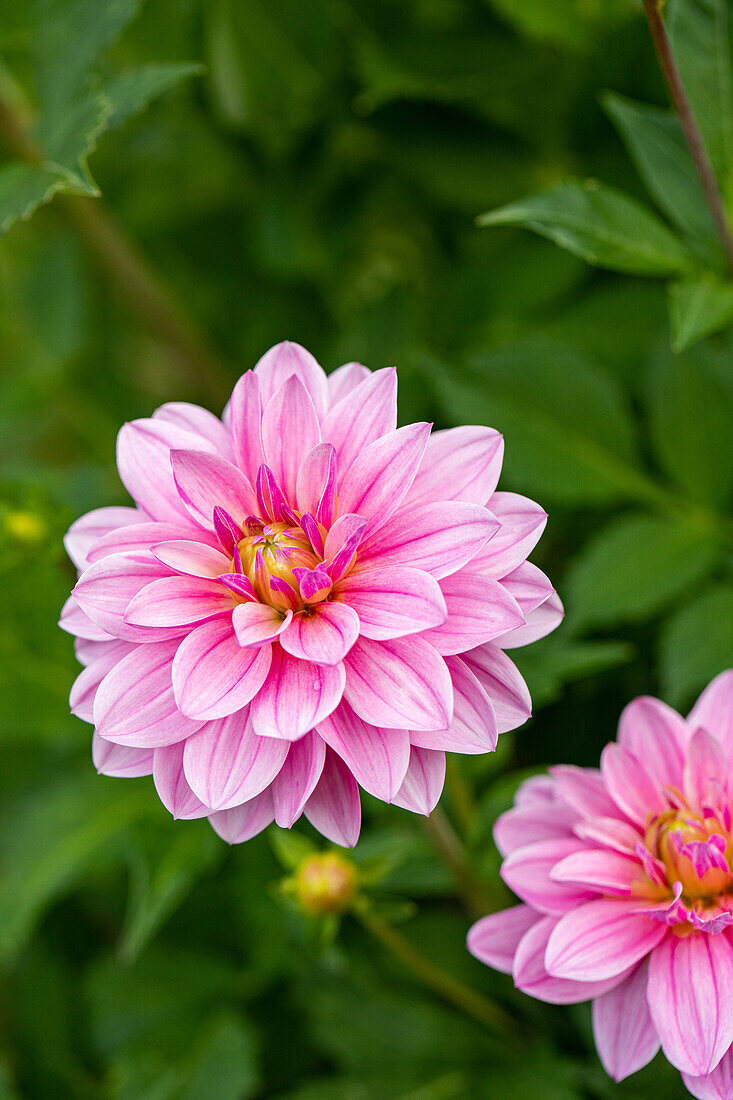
{"points": [[602, 226], [634, 568], [23, 188], [658, 149], [696, 644], [128, 93], [697, 308], [567, 427], [69, 137]]}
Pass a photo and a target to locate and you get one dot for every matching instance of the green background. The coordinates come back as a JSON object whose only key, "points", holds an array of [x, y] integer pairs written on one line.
{"points": [[319, 180]]}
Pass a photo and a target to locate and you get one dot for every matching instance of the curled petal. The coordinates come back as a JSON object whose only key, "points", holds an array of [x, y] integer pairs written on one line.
{"points": [[192, 559], [527, 872], [199, 421], [316, 490], [532, 977], [243, 822], [296, 696], [172, 786], [539, 623], [334, 808], [120, 761], [323, 636], [503, 683], [144, 461], [106, 588], [256, 624], [521, 524], [213, 676]]}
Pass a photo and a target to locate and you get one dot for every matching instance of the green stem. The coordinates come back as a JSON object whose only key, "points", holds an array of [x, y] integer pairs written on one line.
{"points": [[473, 1004], [475, 894]]}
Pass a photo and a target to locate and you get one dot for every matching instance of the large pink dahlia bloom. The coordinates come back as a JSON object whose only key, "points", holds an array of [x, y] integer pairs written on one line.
{"points": [[625, 874], [303, 598]]}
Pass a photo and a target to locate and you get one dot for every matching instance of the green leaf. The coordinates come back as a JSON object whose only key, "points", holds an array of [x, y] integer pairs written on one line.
{"points": [[658, 149], [691, 413], [567, 24], [128, 93], [68, 138], [697, 644], [290, 848], [602, 226], [697, 308], [634, 568], [568, 431], [23, 188]]}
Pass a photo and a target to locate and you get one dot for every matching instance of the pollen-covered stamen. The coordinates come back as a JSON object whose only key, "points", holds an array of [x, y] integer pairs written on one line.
{"points": [[693, 851], [268, 558]]}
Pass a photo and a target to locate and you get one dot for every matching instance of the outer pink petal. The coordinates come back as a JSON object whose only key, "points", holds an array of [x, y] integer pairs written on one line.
{"points": [[172, 785], [472, 728], [290, 431], [625, 1036], [522, 522], [714, 710], [525, 825], [689, 994], [120, 761], [286, 359], [245, 410], [479, 610], [199, 421], [540, 622], [134, 704], [656, 734], [297, 778], [105, 589], [324, 636], [583, 790], [494, 940], [192, 559], [531, 976], [334, 808], [601, 939], [611, 832], [178, 601], [459, 464], [256, 624], [629, 784], [88, 529], [243, 822], [392, 601], [143, 460], [528, 585], [205, 482], [376, 484], [76, 621], [527, 872], [296, 696], [345, 379], [437, 538], [503, 683], [603, 871], [423, 783], [717, 1085], [400, 684], [81, 699], [704, 768], [142, 536], [213, 676], [361, 416], [227, 764], [378, 758]]}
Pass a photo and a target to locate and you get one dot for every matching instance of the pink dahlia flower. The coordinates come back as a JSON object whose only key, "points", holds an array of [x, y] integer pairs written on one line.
{"points": [[303, 599], [625, 874]]}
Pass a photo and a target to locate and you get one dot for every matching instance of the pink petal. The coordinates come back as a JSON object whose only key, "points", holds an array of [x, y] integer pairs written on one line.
{"points": [[105, 589], [714, 710], [342, 542], [400, 684], [134, 704], [287, 359], [199, 421], [493, 940], [243, 822], [611, 832], [296, 696], [76, 621], [142, 536], [226, 763], [600, 939], [539, 623], [377, 758], [334, 808], [316, 488], [690, 979], [345, 379], [656, 734], [527, 872], [290, 431], [472, 728], [630, 785], [392, 601], [120, 761], [583, 789], [256, 624], [297, 778], [531, 976], [705, 768], [193, 559], [172, 785], [459, 464], [522, 522], [538, 790], [246, 425], [438, 538], [479, 610], [178, 601], [362, 416], [528, 585], [81, 699], [503, 683], [213, 676], [717, 1085], [144, 462], [423, 783], [205, 482], [625, 1036], [89, 529], [323, 636], [376, 484], [603, 871], [525, 825]]}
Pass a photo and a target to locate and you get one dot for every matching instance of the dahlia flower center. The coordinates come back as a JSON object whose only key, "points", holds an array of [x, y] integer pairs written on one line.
{"points": [[695, 851]]}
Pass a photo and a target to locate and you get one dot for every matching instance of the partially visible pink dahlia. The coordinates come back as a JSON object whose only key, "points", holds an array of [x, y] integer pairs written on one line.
{"points": [[304, 598], [625, 874]]}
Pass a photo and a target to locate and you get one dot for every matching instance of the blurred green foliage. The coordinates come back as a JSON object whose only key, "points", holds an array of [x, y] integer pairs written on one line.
{"points": [[318, 179]]}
